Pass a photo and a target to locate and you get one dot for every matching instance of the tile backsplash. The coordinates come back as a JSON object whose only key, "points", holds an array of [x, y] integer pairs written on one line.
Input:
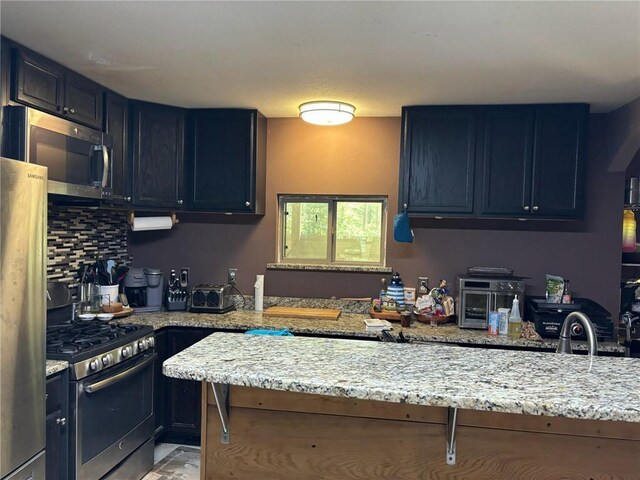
{"points": [[80, 235]]}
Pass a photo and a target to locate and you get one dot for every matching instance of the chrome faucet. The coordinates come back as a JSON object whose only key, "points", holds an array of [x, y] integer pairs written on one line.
{"points": [[568, 327]]}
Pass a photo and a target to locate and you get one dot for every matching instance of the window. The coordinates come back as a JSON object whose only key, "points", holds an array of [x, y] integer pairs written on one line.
{"points": [[337, 230]]}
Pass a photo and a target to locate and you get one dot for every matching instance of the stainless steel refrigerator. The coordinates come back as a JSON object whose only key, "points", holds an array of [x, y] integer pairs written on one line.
{"points": [[23, 259]]}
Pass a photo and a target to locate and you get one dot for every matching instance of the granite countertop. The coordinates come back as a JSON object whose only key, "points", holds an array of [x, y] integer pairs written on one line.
{"points": [[348, 324], [55, 366], [533, 383]]}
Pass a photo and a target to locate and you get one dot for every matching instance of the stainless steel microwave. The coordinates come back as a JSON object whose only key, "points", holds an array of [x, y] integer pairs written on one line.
{"points": [[76, 156]]}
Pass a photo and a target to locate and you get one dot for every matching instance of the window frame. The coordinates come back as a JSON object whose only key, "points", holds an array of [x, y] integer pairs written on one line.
{"points": [[332, 202]]}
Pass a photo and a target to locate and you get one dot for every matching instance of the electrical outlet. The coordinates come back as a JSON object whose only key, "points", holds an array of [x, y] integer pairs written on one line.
{"points": [[184, 277], [232, 276], [423, 281]]}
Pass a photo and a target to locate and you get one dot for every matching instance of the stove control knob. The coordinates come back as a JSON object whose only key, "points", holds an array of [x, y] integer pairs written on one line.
{"points": [[152, 342], [143, 345], [576, 329], [106, 361], [94, 365], [125, 352]]}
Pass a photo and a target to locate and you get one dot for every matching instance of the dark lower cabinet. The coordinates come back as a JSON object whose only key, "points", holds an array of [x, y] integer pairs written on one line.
{"points": [[57, 432], [182, 401], [158, 155], [226, 160], [117, 126]]}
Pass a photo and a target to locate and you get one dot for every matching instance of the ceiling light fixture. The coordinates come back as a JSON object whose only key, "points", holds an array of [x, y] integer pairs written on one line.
{"points": [[325, 112]]}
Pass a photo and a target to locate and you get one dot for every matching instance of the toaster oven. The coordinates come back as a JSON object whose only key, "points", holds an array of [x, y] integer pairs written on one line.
{"points": [[478, 296], [211, 298]]}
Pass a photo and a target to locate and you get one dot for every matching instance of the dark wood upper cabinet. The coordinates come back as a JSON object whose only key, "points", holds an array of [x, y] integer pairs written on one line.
{"points": [[507, 154], [38, 82], [437, 162], [158, 155], [559, 161], [525, 161], [226, 162], [84, 100], [117, 127], [534, 161], [46, 85]]}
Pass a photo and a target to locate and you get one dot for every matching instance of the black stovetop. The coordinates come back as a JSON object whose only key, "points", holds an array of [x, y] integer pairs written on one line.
{"points": [[75, 341]]}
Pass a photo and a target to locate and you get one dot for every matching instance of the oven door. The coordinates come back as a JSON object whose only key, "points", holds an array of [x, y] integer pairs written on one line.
{"points": [[113, 415], [474, 308]]}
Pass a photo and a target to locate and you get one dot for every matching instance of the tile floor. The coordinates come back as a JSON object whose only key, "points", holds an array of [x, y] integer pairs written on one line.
{"points": [[175, 462]]}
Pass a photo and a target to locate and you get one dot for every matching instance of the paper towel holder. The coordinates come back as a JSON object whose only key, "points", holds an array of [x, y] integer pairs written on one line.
{"points": [[131, 216]]}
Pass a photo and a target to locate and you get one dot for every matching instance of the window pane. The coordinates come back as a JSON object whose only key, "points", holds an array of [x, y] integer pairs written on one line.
{"points": [[358, 231], [306, 230]]}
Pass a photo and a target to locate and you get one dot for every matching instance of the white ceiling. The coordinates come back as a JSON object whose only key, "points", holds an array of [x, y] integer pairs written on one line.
{"points": [[377, 55]]}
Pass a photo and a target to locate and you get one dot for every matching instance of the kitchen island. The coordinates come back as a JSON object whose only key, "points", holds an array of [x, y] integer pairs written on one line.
{"points": [[312, 408]]}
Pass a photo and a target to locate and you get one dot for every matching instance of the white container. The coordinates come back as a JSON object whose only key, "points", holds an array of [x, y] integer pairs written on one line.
{"points": [[109, 293], [503, 326], [259, 293]]}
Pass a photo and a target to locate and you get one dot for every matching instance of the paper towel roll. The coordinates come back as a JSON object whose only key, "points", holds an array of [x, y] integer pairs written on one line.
{"points": [[151, 223], [258, 296]]}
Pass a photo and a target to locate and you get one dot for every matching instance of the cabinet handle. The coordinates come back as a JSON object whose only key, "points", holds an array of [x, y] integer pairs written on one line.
{"points": [[405, 205], [127, 199], [180, 202], [71, 110], [65, 109], [535, 207], [526, 208], [61, 421], [247, 204]]}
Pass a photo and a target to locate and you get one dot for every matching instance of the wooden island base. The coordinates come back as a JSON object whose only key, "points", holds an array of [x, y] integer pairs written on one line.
{"points": [[281, 435]]}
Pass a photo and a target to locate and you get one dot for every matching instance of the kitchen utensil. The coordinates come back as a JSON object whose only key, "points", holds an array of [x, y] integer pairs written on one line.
{"points": [[109, 293], [125, 312], [112, 307], [311, 313]]}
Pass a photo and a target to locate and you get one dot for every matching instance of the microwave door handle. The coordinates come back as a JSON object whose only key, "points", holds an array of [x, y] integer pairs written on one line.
{"points": [[105, 166]]}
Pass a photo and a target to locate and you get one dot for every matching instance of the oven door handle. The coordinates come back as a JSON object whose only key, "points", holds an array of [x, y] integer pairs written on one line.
{"points": [[97, 386]]}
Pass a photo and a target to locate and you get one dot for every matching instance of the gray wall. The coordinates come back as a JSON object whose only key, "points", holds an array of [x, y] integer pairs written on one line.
{"points": [[362, 157]]}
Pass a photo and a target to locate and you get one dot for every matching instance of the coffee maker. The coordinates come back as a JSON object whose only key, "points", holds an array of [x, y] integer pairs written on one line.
{"points": [[143, 287]]}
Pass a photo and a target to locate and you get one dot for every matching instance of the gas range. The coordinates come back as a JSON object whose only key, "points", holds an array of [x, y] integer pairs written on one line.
{"points": [[92, 346]]}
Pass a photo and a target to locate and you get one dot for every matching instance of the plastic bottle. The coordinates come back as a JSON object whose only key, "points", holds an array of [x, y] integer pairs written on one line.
{"points": [[566, 295], [515, 321]]}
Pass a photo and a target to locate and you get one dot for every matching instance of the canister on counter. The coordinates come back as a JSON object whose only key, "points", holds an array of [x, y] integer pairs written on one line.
{"points": [[503, 328], [494, 323]]}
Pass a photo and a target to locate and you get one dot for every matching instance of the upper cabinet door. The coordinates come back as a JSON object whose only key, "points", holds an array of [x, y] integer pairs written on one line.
{"points": [[48, 86], [117, 126], [438, 159], [226, 160], [559, 160], [158, 155], [38, 82], [507, 157], [83, 100]]}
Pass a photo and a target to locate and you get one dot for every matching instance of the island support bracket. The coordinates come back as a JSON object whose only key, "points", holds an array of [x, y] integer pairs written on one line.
{"points": [[452, 418], [221, 394]]}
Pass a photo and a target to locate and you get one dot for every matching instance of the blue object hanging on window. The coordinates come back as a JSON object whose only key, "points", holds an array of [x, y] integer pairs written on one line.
{"points": [[276, 333], [401, 230]]}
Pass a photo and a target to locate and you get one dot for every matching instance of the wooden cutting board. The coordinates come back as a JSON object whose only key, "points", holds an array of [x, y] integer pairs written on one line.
{"points": [[295, 312]]}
